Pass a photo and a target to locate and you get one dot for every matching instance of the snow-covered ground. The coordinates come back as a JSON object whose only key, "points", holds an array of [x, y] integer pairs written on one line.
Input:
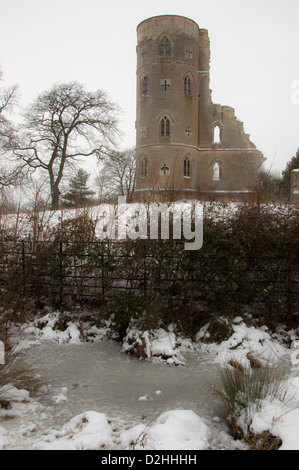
{"points": [[41, 223], [181, 428]]}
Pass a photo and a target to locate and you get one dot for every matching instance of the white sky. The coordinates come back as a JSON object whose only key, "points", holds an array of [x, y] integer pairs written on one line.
{"points": [[254, 57]]}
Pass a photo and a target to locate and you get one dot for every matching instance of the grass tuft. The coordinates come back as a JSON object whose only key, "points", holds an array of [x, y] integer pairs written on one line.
{"points": [[242, 392]]}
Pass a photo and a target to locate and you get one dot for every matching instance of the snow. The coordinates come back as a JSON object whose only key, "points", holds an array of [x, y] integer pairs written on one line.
{"points": [[173, 430], [177, 429], [62, 397], [10, 392], [3, 439], [48, 331], [159, 345], [87, 431], [244, 341], [281, 419], [21, 224], [47, 328], [91, 430]]}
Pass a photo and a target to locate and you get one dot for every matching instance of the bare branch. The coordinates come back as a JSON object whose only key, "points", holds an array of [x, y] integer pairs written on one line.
{"points": [[63, 124]]}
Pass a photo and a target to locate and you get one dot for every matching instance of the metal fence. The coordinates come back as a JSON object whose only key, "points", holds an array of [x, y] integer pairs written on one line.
{"points": [[103, 272]]}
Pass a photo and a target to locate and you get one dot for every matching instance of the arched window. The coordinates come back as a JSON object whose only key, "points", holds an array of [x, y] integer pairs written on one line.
{"points": [[145, 86], [216, 172], [143, 173], [165, 127], [216, 135], [187, 86], [165, 46], [186, 167]]}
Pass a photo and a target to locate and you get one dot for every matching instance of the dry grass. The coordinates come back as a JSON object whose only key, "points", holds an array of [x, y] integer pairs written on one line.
{"points": [[17, 371], [143, 440], [245, 389]]}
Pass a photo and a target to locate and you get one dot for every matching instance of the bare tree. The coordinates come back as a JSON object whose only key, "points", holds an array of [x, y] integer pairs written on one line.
{"points": [[63, 125], [10, 171], [117, 178]]}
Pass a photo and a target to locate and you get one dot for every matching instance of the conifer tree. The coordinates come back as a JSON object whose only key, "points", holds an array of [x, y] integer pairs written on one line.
{"points": [[79, 194]]}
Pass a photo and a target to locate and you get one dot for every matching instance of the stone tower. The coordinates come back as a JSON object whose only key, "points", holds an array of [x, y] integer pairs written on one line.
{"points": [[186, 146]]}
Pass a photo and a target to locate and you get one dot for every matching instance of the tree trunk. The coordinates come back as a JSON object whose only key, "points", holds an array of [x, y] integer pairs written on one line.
{"points": [[55, 194]]}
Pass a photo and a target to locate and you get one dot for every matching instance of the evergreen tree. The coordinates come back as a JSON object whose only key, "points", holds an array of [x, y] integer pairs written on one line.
{"points": [[79, 194]]}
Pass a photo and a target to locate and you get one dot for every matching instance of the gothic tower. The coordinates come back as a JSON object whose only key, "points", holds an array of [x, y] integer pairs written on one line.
{"points": [[186, 146]]}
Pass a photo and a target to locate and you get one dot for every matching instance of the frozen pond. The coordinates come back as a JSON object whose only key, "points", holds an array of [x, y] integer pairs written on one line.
{"points": [[100, 377]]}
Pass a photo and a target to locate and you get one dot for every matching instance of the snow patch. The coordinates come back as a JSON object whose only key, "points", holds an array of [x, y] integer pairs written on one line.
{"points": [[87, 431], [159, 345], [173, 430], [246, 341], [280, 418]]}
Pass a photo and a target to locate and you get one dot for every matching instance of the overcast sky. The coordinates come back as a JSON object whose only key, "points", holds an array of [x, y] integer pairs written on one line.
{"points": [[254, 57]]}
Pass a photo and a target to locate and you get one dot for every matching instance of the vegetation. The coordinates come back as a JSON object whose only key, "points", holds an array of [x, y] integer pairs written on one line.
{"points": [[248, 263], [117, 176], [79, 195], [243, 392], [286, 182], [11, 173], [17, 371], [67, 124], [62, 125]]}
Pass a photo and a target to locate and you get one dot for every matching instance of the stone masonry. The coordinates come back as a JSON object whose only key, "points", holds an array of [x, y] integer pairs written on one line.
{"points": [[186, 146]]}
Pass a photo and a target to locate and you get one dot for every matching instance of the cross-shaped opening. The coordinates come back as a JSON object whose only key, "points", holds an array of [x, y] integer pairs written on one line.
{"points": [[165, 169], [188, 131], [165, 84]]}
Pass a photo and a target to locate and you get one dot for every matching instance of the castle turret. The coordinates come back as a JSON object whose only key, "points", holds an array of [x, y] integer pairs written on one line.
{"points": [[176, 120]]}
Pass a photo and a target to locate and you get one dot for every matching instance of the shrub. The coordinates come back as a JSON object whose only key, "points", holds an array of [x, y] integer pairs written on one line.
{"points": [[17, 371], [241, 394]]}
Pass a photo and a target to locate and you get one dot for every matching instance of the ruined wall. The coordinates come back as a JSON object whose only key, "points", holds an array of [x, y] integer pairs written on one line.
{"points": [[173, 86]]}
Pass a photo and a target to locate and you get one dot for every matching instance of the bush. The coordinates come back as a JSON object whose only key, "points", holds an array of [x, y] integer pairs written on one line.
{"points": [[17, 371], [249, 262], [241, 394]]}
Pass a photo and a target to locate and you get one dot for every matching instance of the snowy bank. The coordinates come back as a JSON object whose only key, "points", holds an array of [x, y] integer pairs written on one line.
{"points": [[176, 429], [173, 430], [281, 419], [246, 344], [87, 431], [54, 327], [158, 345]]}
